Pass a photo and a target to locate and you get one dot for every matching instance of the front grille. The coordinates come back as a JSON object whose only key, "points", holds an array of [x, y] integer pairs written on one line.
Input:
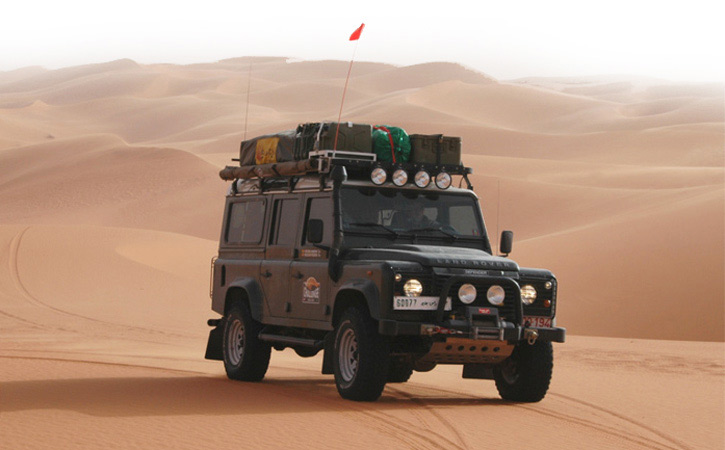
{"points": [[433, 286]]}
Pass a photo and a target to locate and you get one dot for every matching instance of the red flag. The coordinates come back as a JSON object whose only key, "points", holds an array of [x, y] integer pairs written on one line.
{"points": [[356, 34]]}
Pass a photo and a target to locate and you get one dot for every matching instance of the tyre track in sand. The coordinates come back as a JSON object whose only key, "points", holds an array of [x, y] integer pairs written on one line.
{"points": [[401, 429], [103, 363], [398, 429], [408, 432], [13, 256], [677, 443], [649, 437], [612, 430], [430, 410]]}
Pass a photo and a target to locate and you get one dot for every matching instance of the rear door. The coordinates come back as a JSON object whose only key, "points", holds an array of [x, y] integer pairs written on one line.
{"points": [[280, 251]]}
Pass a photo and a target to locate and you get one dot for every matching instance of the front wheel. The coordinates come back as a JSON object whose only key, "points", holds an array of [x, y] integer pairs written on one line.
{"points": [[399, 371], [525, 375], [360, 357], [246, 358]]}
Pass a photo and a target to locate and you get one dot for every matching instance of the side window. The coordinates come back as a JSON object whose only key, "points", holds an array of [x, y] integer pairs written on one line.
{"points": [[463, 220], [245, 222], [320, 208], [284, 222]]}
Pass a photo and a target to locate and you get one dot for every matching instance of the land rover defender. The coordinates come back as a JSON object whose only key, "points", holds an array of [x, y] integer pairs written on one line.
{"points": [[385, 267]]}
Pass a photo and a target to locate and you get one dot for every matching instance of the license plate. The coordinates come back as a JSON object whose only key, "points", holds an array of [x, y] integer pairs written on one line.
{"points": [[426, 303], [537, 322]]}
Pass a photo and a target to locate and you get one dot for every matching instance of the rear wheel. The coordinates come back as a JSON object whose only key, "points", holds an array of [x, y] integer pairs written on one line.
{"points": [[525, 375], [245, 356], [360, 357]]}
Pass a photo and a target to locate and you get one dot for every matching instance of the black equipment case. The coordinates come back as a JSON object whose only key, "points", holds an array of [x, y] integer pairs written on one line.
{"points": [[352, 137], [435, 149]]}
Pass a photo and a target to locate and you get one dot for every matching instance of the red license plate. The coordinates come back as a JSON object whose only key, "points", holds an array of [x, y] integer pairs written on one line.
{"points": [[537, 322]]}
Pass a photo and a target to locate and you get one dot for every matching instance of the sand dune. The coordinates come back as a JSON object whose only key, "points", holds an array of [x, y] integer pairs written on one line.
{"points": [[110, 210], [112, 184], [102, 361]]}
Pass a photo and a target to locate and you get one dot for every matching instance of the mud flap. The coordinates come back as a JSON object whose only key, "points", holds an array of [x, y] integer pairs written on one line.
{"points": [[214, 345], [327, 368]]}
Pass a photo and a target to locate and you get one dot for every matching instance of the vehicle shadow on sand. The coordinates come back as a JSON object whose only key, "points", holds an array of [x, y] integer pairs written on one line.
{"points": [[189, 395]]}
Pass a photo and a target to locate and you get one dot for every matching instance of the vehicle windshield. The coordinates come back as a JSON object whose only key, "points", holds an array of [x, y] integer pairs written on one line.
{"points": [[406, 213]]}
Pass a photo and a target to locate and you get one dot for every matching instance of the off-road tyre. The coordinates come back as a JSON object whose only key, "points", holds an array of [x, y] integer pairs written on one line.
{"points": [[246, 358], [525, 375], [399, 371], [360, 357]]}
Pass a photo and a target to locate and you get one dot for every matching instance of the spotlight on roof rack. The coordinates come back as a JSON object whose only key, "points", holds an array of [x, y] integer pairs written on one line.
{"points": [[422, 179], [400, 177], [443, 180], [378, 176]]}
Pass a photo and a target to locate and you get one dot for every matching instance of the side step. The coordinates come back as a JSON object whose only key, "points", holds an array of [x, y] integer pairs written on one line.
{"points": [[291, 341]]}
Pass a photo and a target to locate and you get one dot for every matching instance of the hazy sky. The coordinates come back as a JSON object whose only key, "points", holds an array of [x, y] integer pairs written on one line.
{"points": [[506, 39]]}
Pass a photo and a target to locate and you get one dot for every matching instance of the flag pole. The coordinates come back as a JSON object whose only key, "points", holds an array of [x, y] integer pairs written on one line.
{"points": [[355, 36]]}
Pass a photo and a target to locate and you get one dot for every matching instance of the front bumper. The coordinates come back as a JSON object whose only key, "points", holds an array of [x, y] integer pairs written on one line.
{"points": [[479, 323], [506, 331]]}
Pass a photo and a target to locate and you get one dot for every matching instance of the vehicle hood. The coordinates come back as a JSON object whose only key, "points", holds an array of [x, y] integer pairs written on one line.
{"points": [[431, 255]]}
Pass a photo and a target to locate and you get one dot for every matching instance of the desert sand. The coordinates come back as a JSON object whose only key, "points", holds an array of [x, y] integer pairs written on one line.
{"points": [[110, 210]]}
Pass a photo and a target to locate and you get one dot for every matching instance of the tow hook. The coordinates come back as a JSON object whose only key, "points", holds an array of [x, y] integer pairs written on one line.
{"points": [[531, 335]]}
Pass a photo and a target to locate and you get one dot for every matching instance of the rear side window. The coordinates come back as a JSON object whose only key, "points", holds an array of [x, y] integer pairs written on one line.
{"points": [[286, 215], [245, 222]]}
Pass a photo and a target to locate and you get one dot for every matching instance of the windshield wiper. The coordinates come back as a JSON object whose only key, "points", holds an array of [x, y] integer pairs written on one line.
{"points": [[374, 224], [438, 229]]}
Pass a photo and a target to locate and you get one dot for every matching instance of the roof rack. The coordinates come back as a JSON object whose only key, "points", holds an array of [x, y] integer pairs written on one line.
{"points": [[357, 165]]}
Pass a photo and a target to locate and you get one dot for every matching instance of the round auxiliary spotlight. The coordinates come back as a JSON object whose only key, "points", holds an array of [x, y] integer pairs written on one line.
{"points": [[378, 176], [467, 293], [443, 180], [422, 179], [400, 177]]}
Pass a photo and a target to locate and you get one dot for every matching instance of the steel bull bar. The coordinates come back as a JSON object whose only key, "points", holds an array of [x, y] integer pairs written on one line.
{"points": [[481, 322]]}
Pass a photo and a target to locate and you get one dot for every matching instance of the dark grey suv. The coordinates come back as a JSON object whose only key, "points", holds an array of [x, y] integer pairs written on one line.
{"points": [[386, 268]]}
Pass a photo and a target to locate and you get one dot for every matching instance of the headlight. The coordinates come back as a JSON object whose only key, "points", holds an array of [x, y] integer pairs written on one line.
{"points": [[467, 293], [413, 288], [495, 295], [443, 180], [379, 176], [422, 179], [400, 177], [528, 294]]}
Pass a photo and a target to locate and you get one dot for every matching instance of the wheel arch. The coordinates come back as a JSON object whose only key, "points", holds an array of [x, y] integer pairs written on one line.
{"points": [[362, 293], [244, 291]]}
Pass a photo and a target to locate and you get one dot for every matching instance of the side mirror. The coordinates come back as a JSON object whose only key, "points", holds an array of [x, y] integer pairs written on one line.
{"points": [[315, 228], [507, 242]]}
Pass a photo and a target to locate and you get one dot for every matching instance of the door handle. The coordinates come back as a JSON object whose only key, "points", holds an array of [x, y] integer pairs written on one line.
{"points": [[298, 275], [267, 274]]}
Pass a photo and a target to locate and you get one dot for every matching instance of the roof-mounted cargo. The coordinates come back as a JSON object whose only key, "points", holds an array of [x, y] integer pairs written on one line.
{"points": [[434, 159]]}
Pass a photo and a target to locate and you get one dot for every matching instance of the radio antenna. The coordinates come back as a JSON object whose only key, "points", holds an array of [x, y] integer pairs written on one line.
{"points": [[246, 114], [355, 36]]}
